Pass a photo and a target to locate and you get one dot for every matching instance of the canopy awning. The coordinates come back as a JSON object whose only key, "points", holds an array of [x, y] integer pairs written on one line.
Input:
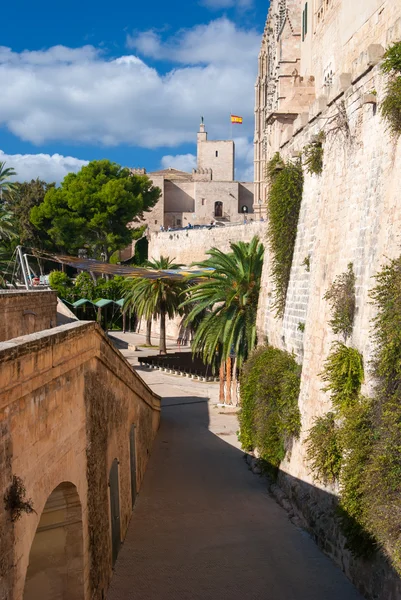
{"points": [[97, 266]]}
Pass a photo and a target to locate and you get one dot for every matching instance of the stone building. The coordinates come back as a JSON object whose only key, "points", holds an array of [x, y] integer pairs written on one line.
{"points": [[319, 70], [207, 194]]}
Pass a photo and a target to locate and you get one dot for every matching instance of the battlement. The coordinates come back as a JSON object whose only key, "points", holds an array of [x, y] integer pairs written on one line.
{"points": [[202, 174]]}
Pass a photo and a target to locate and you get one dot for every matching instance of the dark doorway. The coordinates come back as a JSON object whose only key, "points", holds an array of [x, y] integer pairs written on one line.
{"points": [[132, 454], [114, 511], [218, 209]]}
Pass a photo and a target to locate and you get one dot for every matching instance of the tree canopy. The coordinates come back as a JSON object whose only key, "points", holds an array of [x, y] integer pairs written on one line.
{"points": [[25, 196], [230, 295], [93, 208]]}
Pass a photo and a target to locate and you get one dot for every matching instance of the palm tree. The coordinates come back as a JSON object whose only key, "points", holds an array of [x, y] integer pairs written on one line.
{"points": [[6, 186], [7, 226], [157, 297], [230, 295]]}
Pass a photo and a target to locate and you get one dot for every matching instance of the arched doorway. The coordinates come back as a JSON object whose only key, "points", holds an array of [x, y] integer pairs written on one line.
{"points": [[132, 452], [56, 565], [115, 511], [218, 209]]}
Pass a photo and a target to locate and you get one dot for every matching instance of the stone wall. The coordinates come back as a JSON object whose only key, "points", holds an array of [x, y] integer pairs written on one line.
{"points": [[190, 245], [350, 213], [26, 311], [68, 400]]}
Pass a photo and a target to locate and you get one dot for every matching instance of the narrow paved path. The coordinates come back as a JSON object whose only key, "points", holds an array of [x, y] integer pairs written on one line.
{"points": [[204, 526]]}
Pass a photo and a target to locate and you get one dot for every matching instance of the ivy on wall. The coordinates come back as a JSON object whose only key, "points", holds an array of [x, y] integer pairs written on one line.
{"points": [[313, 154], [269, 416], [284, 203], [341, 296], [382, 485], [359, 442], [391, 106]]}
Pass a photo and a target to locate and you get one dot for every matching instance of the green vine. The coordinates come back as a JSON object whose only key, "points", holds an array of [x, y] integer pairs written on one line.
{"points": [[356, 438], [284, 203], [322, 449], [313, 154], [391, 105], [341, 297], [269, 416], [343, 373], [306, 263], [383, 476]]}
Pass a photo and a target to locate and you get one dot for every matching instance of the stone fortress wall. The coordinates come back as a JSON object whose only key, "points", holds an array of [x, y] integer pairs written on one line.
{"points": [[350, 213], [190, 245], [77, 427], [23, 312]]}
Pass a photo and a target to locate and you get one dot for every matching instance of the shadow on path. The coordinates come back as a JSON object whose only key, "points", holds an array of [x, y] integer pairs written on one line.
{"points": [[205, 528]]}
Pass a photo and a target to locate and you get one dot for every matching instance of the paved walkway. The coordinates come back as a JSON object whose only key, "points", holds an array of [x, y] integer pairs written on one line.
{"points": [[204, 526]]}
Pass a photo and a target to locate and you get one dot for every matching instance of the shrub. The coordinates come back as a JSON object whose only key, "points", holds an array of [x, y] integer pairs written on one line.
{"points": [[270, 416], [314, 153], [84, 286], [356, 439], [284, 203], [383, 475], [392, 59], [391, 105], [62, 284], [323, 450], [343, 372], [341, 297]]}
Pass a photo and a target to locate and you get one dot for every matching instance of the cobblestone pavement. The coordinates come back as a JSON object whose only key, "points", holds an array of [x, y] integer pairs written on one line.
{"points": [[204, 526]]}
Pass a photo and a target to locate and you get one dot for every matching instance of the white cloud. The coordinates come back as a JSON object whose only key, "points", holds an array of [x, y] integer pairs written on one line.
{"points": [[45, 166], [243, 159], [182, 162], [218, 42], [79, 96]]}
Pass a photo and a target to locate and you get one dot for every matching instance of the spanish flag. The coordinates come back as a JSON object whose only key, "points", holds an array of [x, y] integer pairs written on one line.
{"points": [[236, 119]]}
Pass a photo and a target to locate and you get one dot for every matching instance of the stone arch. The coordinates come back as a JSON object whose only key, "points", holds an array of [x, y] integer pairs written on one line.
{"points": [[56, 559]]}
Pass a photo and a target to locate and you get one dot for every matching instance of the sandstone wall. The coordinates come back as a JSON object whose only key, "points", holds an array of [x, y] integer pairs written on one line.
{"points": [[191, 245], [24, 312], [67, 402], [351, 213]]}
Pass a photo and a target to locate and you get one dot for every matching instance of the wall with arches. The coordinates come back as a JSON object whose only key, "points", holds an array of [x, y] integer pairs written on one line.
{"points": [[68, 401]]}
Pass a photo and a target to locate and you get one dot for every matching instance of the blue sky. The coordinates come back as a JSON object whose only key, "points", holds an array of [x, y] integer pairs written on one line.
{"points": [[81, 81]]}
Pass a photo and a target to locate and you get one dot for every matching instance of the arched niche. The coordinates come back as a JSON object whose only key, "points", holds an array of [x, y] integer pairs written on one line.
{"points": [[218, 209], [56, 562]]}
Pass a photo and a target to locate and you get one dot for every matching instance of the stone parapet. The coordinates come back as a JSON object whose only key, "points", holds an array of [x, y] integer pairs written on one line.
{"points": [[25, 311], [69, 404]]}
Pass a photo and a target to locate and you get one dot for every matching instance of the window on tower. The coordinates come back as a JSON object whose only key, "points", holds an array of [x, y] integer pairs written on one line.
{"points": [[217, 153]]}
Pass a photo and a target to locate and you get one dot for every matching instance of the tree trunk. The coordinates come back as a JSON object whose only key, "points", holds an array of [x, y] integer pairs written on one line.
{"points": [[235, 384], [221, 376], [162, 341], [124, 314], [228, 380], [149, 332]]}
